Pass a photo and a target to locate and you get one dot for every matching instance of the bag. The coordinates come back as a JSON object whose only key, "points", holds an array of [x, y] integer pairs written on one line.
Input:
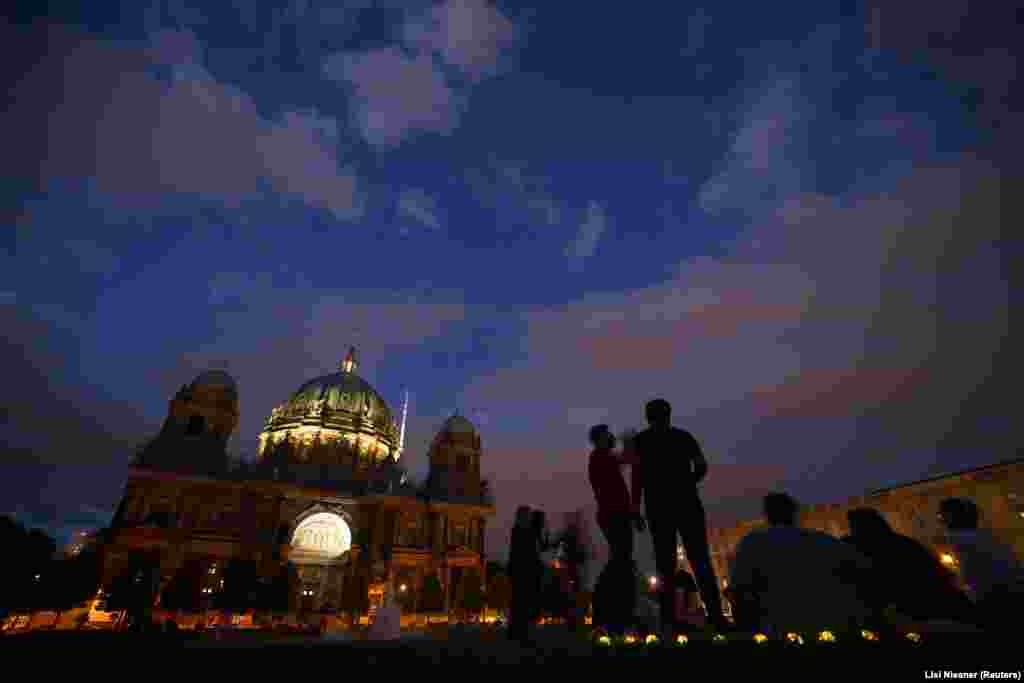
{"points": [[615, 596]]}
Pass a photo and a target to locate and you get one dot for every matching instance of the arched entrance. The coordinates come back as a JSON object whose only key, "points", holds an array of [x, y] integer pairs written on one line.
{"points": [[319, 545]]}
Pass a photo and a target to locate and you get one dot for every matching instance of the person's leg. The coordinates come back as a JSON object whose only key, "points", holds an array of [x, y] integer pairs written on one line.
{"points": [[518, 609], [618, 531], [616, 606], [693, 529], [664, 534]]}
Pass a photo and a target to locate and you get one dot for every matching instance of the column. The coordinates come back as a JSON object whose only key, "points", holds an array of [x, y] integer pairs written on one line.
{"points": [[447, 573], [322, 590]]}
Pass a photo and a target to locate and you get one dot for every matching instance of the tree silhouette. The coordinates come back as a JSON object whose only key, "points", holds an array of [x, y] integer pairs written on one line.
{"points": [[432, 598], [499, 590], [184, 591], [134, 588], [240, 586], [472, 597], [77, 578], [28, 562]]}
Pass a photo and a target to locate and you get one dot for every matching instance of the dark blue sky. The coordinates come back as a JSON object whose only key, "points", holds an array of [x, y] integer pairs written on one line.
{"points": [[784, 220]]}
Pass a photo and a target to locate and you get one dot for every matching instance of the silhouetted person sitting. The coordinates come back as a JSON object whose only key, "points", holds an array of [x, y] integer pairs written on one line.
{"points": [[797, 579], [905, 574], [669, 465], [990, 568], [523, 562]]}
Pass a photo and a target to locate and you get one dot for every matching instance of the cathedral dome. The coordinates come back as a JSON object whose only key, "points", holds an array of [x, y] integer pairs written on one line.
{"points": [[342, 391], [335, 408]]}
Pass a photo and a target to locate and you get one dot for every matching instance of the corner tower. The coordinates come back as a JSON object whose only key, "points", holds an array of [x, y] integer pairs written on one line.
{"points": [[201, 417], [455, 459]]}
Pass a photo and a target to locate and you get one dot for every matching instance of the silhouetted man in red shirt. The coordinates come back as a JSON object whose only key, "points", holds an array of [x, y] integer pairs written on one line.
{"points": [[669, 464], [614, 513], [615, 592]]}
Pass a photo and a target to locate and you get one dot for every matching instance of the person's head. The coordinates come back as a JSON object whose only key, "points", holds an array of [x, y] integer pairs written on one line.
{"points": [[959, 513], [867, 522], [601, 437], [781, 509], [659, 413], [523, 517]]}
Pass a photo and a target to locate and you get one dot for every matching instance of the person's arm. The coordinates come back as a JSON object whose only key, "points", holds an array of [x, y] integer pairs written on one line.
{"points": [[700, 463], [628, 455], [636, 488]]}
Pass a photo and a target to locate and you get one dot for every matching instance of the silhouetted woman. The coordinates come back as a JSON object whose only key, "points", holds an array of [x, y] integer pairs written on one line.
{"points": [[522, 572], [905, 574], [542, 544]]}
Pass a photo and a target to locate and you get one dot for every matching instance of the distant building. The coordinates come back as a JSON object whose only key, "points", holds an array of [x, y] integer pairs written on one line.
{"points": [[911, 509], [326, 502]]}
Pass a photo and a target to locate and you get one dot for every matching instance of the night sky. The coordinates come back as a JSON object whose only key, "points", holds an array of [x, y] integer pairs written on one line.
{"points": [[790, 220]]}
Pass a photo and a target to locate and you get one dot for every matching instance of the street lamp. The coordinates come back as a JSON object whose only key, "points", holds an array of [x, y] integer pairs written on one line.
{"points": [[402, 588], [653, 581]]}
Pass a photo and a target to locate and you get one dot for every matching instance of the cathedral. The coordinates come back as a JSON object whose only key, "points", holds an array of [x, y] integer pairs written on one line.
{"points": [[326, 502]]}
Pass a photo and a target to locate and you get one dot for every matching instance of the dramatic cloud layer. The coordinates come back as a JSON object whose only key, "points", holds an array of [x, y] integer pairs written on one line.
{"points": [[405, 89], [793, 227], [137, 136]]}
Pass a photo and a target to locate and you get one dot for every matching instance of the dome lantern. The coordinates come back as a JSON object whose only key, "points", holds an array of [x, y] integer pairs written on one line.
{"points": [[349, 364]]}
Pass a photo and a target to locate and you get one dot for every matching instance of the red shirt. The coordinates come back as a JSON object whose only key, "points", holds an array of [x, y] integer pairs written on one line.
{"points": [[608, 483]]}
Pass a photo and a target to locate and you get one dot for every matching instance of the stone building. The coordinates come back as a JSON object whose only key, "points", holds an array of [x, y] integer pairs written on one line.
{"points": [[326, 503], [911, 509]]}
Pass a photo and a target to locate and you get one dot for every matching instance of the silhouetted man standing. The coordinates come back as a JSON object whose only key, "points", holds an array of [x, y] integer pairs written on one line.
{"points": [[669, 464]]}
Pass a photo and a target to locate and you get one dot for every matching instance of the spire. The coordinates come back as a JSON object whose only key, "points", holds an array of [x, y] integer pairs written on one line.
{"points": [[350, 364], [405, 412]]}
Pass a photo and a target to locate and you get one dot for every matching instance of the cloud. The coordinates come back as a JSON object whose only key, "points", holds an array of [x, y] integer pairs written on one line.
{"points": [[519, 197], [696, 29], [404, 89], [397, 95], [420, 206], [469, 34], [973, 45], [765, 161], [590, 233], [138, 137]]}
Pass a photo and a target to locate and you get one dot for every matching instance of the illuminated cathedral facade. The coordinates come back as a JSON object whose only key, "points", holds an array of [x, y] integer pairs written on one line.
{"points": [[326, 504]]}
